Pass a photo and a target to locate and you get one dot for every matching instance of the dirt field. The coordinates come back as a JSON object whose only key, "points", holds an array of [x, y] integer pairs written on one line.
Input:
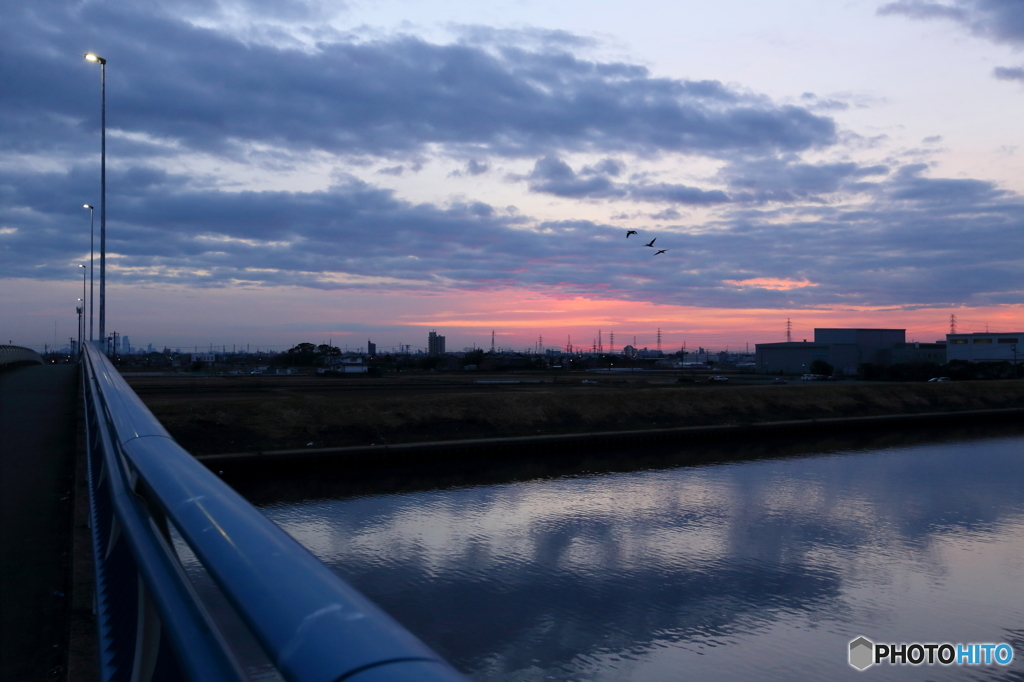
{"points": [[262, 414]]}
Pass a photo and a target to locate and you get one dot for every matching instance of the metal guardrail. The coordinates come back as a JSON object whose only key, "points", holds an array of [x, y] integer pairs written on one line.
{"points": [[10, 355], [152, 623]]}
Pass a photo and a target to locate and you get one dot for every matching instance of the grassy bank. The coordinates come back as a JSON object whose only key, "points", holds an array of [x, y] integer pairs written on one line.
{"points": [[293, 421]]}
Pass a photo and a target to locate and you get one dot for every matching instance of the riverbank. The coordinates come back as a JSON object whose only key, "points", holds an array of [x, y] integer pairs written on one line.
{"points": [[289, 422]]}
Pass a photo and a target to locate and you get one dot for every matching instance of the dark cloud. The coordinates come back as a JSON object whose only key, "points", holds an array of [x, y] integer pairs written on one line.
{"points": [[1005, 73], [914, 240], [192, 88], [391, 170], [789, 180], [667, 214], [551, 175], [997, 20]]}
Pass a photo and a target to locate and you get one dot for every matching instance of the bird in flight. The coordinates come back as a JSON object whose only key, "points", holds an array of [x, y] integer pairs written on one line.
{"points": [[629, 232], [651, 244], [662, 251]]}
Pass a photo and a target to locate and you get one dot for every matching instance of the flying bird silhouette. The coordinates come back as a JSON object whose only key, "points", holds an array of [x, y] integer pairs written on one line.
{"points": [[629, 232], [652, 243], [662, 251]]}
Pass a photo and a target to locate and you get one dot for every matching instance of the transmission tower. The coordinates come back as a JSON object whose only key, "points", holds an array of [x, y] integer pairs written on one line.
{"points": [[789, 331], [659, 339], [611, 342], [492, 340], [952, 324], [600, 343]]}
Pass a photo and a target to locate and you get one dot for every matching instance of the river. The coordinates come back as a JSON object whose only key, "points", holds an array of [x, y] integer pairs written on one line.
{"points": [[728, 570]]}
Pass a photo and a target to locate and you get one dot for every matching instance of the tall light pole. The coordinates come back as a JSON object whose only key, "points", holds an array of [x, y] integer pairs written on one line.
{"points": [[83, 299], [92, 270], [81, 321], [103, 190]]}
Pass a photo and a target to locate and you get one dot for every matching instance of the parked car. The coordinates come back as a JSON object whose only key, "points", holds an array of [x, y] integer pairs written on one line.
{"points": [[779, 380], [717, 378], [940, 379]]}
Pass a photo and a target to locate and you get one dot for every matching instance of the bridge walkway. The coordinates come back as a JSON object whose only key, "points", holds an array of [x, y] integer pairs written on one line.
{"points": [[38, 430]]}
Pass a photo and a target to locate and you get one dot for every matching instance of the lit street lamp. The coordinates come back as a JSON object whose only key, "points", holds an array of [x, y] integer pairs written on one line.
{"points": [[92, 271], [103, 189]]}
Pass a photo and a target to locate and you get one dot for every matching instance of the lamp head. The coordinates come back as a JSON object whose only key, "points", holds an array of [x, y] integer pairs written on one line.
{"points": [[87, 206], [95, 58]]}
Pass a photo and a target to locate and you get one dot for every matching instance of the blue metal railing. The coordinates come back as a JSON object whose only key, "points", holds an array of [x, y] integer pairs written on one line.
{"points": [[153, 625]]}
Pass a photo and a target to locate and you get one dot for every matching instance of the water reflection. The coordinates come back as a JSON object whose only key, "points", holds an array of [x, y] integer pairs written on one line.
{"points": [[761, 569]]}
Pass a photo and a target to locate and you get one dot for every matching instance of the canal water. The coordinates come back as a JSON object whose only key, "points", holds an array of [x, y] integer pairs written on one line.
{"points": [[727, 570]]}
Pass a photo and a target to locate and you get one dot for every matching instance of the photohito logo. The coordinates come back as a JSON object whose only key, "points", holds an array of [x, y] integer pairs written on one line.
{"points": [[864, 653]]}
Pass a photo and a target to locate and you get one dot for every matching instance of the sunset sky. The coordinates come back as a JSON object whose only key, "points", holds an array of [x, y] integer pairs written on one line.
{"points": [[286, 171]]}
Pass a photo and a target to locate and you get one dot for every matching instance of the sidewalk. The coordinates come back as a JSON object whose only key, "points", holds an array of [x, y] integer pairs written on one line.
{"points": [[38, 420]]}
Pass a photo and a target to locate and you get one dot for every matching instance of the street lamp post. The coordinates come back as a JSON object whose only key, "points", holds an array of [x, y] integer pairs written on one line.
{"points": [[81, 321], [103, 190], [92, 271], [83, 299]]}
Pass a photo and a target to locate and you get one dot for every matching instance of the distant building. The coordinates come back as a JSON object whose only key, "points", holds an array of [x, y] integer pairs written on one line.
{"points": [[912, 353], [791, 357], [126, 345], [371, 348], [435, 343], [985, 347], [845, 349]]}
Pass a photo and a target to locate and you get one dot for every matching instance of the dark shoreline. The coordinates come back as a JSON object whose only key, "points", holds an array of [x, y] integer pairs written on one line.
{"points": [[607, 439], [492, 417]]}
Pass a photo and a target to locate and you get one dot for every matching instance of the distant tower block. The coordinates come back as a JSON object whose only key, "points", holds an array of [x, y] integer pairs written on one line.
{"points": [[435, 343]]}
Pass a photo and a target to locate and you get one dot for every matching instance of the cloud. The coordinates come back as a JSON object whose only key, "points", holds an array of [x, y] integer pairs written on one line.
{"points": [[196, 88], [790, 180], [905, 244], [996, 20], [1005, 73], [551, 175]]}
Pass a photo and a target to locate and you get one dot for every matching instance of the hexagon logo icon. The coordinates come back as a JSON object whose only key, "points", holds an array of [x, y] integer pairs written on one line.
{"points": [[862, 653]]}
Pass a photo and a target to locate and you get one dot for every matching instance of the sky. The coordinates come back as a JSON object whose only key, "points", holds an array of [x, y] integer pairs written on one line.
{"points": [[291, 171]]}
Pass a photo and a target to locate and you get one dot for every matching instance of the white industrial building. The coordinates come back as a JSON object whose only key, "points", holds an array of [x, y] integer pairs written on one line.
{"points": [[985, 347]]}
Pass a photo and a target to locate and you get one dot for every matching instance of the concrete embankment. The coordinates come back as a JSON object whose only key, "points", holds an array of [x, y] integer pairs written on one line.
{"points": [[295, 426]]}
